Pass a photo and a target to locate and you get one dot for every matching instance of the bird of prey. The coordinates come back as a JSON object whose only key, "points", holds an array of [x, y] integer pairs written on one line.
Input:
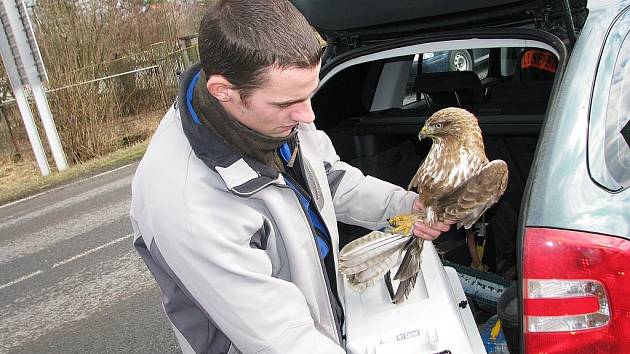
{"points": [[455, 182]]}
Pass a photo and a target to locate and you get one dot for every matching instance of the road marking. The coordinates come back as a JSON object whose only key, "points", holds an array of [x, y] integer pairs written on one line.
{"points": [[28, 276], [98, 289], [37, 211], [64, 229], [65, 186], [90, 251], [107, 172], [25, 199]]}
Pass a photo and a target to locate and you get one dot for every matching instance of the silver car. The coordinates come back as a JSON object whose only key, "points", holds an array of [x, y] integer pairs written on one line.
{"points": [[553, 101]]}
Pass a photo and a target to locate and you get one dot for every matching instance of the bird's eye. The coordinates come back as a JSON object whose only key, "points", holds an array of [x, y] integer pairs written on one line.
{"points": [[438, 125]]}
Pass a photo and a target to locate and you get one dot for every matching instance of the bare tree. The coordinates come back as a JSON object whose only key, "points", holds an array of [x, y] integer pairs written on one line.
{"points": [[84, 41]]}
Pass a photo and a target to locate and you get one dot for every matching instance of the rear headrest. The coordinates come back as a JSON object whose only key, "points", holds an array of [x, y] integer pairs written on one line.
{"points": [[451, 88], [536, 65]]}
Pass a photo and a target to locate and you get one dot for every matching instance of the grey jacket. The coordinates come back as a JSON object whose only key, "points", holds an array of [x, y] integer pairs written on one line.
{"points": [[229, 243]]}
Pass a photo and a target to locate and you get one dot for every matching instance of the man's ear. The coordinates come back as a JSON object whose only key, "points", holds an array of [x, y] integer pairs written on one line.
{"points": [[220, 88]]}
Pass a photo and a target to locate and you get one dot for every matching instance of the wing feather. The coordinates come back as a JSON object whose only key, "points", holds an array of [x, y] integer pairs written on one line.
{"points": [[371, 241], [476, 195], [377, 270], [411, 261], [404, 289], [366, 251]]}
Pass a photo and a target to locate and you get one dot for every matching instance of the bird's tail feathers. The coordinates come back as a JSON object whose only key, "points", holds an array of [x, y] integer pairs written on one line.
{"points": [[411, 261], [404, 289]]}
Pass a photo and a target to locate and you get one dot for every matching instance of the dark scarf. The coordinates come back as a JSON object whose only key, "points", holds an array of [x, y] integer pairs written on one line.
{"points": [[243, 139]]}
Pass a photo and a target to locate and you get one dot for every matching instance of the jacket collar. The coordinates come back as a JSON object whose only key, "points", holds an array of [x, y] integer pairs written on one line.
{"points": [[241, 174]]}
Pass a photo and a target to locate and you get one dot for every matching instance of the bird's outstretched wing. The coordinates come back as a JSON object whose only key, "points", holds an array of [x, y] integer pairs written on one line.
{"points": [[366, 278], [366, 259], [478, 193]]}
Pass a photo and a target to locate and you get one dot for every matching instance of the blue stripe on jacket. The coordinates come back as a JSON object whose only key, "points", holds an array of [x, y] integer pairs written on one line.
{"points": [[321, 231]]}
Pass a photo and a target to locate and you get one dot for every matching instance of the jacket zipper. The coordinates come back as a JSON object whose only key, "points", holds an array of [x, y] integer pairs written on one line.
{"points": [[315, 249]]}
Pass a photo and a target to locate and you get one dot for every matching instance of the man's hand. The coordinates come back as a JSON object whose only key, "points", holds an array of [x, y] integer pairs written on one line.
{"points": [[424, 231]]}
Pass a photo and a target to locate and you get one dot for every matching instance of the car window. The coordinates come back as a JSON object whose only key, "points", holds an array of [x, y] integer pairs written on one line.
{"points": [[475, 60], [617, 128], [608, 146]]}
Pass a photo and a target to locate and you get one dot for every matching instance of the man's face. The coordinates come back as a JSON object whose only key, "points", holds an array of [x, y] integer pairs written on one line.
{"points": [[283, 101]]}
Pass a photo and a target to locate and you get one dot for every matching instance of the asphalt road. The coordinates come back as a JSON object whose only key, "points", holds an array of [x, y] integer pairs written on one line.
{"points": [[70, 280]]}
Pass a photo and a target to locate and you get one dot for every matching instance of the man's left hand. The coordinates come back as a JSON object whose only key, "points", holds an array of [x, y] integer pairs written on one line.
{"points": [[424, 231]]}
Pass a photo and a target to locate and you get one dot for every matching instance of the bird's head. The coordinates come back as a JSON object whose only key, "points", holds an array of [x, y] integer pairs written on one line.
{"points": [[450, 123]]}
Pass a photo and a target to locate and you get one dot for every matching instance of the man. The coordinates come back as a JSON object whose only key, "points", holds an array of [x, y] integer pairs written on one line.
{"points": [[236, 200]]}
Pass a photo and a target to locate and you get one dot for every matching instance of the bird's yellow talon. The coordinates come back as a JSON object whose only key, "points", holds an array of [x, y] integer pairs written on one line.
{"points": [[401, 224]]}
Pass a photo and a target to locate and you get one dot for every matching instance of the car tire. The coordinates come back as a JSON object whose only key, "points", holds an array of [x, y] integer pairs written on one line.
{"points": [[460, 60]]}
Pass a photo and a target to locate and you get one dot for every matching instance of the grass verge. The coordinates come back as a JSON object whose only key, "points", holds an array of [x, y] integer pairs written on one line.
{"points": [[19, 180]]}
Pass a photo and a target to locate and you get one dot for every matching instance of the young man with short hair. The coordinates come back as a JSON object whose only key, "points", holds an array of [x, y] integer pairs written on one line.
{"points": [[236, 200]]}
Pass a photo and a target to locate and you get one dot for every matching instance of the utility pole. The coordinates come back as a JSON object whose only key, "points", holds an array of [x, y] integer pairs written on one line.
{"points": [[24, 66], [22, 103]]}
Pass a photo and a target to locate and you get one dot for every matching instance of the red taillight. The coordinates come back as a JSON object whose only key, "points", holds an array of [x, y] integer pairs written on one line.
{"points": [[576, 292]]}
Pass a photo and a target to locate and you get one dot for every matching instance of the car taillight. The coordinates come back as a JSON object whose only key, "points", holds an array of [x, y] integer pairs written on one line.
{"points": [[576, 292]]}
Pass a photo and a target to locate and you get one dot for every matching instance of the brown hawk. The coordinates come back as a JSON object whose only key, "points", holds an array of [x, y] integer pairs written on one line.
{"points": [[455, 182]]}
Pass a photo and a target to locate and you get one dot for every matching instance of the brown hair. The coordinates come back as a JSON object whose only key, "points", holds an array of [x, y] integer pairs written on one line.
{"points": [[241, 39]]}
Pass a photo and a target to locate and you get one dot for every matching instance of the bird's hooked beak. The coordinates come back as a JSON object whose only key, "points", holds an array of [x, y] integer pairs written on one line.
{"points": [[424, 133]]}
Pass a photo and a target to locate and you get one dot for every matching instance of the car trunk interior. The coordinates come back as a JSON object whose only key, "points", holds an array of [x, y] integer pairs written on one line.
{"points": [[383, 141]]}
